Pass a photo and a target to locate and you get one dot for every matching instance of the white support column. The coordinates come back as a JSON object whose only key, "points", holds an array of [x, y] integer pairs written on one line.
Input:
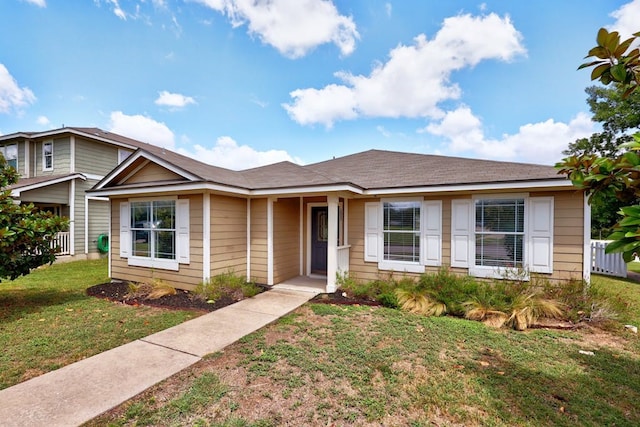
{"points": [[586, 256], [206, 236], [301, 231], [345, 225], [270, 201], [332, 243], [86, 225], [110, 239], [72, 217], [249, 239]]}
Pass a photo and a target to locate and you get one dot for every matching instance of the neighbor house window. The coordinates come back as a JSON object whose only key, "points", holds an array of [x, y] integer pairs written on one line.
{"points": [[401, 231], [153, 229], [47, 155], [499, 233], [10, 153]]}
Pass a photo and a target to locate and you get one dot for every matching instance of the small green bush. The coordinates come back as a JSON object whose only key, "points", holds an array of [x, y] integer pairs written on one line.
{"points": [[227, 283]]}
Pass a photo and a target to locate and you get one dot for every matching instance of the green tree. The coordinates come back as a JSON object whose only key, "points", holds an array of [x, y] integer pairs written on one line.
{"points": [[26, 233], [617, 174]]}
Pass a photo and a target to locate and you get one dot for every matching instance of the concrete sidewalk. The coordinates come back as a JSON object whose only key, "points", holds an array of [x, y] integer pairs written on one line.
{"points": [[81, 391]]}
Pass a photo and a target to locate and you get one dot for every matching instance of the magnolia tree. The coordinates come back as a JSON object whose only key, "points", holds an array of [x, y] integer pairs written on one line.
{"points": [[616, 175], [27, 235]]}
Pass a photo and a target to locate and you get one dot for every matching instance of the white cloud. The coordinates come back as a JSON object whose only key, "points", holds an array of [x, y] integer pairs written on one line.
{"points": [[43, 120], [142, 128], [627, 19], [117, 10], [174, 100], [293, 27], [12, 96], [416, 78], [541, 142], [388, 8], [228, 154], [39, 3]]}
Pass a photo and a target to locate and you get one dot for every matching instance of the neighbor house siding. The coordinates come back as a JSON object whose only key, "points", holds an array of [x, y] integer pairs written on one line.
{"points": [[98, 223], [61, 157], [54, 194], [187, 277], [22, 160], [259, 240], [286, 239], [94, 158], [228, 235]]}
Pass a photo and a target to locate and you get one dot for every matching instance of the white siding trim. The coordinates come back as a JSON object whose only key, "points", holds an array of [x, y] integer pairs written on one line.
{"points": [[586, 249], [206, 236], [110, 240], [86, 224], [125, 230], [301, 231], [72, 217], [270, 201], [249, 239]]}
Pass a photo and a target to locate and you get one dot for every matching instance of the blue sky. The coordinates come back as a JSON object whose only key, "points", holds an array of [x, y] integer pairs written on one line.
{"points": [[241, 83]]}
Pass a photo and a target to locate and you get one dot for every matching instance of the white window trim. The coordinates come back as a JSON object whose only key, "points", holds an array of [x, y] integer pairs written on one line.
{"points": [[44, 161], [148, 262], [500, 272], [403, 266]]}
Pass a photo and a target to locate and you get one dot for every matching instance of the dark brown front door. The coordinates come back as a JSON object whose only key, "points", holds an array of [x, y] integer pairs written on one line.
{"points": [[319, 234]]}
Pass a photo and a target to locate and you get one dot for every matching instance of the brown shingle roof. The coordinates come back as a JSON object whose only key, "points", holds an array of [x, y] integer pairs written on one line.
{"points": [[376, 169]]}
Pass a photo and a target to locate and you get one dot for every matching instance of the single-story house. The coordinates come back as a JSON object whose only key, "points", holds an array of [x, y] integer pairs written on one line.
{"points": [[368, 215]]}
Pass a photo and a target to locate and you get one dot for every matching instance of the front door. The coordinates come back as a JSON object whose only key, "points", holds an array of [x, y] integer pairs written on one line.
{"points": [[319, 235]]}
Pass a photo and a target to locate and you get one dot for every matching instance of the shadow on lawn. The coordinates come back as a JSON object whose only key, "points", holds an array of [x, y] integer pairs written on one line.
{"points": [[15, 304], [603, 390]]}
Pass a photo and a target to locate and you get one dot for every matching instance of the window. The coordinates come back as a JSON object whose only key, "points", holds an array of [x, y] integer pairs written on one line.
{"points": [[47, 155], [403, 234], [401, 231], [499, 233], [10, 153], [153, 229]]}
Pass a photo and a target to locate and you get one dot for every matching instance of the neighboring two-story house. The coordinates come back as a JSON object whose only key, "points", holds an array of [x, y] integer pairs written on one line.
{"points": [[56, 169]]}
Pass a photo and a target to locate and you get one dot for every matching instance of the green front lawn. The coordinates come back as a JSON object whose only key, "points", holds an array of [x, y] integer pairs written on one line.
{"points": [[349, 365], [47, 321]]}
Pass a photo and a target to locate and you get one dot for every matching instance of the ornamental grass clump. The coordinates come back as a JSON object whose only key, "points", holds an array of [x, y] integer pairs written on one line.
{"points": [[154, 289], [228, 283]]}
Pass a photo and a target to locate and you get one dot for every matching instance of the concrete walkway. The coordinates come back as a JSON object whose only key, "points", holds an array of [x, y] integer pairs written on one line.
{"points": [[81, 391]]}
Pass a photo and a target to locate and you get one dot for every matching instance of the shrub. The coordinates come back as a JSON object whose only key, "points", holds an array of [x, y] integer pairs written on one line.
{"points": [[227, 283], [448, 289], [154, 289], [526, 309]]}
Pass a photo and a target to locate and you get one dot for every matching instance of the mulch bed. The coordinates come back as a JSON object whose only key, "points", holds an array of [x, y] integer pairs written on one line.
{"points": [[341, 298], [118, 291]]}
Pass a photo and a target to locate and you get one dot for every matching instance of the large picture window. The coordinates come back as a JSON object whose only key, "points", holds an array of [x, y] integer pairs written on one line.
{"points": [[153, 229], [10, 153], [499, 233], [401, 231]]}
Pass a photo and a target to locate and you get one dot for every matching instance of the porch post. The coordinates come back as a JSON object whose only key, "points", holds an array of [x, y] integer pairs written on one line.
{"points": [[270, 201], [332, 243]]}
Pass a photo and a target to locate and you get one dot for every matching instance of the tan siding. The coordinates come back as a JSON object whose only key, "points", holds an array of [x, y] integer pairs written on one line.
{"points": [[188, 276], [259, 240], [568, 236], [151, 173], [286, 239], [228, 235], [94, 157]]}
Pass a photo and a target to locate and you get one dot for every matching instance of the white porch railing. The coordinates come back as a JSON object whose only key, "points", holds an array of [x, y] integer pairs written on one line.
{"points": [[607, 264], [343, 258], [63, 241]]}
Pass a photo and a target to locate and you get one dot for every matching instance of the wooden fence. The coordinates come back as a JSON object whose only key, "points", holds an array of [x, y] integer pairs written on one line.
{"points": [[607, 264]]}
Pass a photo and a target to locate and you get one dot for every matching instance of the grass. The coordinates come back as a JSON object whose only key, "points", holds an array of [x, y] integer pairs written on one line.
{"points": [[634, 266], [343, 365], [47, 321]]}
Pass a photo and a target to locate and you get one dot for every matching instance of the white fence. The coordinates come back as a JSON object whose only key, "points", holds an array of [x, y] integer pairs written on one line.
{"points": [[63, 241], [607, 264]]}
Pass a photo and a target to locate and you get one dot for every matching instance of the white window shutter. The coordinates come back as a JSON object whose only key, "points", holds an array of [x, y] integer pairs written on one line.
{"points": [[372, 227], [461, 233], [125, 230], [540, 216], [432, 232], [182, 231]]}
